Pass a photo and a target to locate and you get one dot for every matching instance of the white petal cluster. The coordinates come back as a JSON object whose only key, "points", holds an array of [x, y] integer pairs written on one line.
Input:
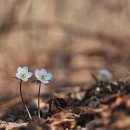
{"points": [[43, 76], [23, 74]]}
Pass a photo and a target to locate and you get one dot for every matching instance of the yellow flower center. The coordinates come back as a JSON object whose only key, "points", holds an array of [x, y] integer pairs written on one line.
{"points": [[23, 75], [43, 77]]}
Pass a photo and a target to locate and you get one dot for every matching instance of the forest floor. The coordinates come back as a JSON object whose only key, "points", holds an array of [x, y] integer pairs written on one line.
{"points": [[80, 97]]}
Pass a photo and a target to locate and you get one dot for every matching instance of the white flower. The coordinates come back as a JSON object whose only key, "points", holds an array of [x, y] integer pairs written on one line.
{"points": [[104, 74], [43, 76], [23, 74]]}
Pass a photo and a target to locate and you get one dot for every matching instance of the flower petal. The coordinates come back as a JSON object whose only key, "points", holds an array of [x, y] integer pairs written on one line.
{"points": [[19, 70], [43, 72], [26, 79], [49, 76], [17, 75], [37, 73], [45, 81], [29, 74], [26, 68]]}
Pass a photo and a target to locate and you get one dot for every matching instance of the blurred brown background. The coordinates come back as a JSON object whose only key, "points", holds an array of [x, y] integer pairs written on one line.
{"points": [[70, 38]]}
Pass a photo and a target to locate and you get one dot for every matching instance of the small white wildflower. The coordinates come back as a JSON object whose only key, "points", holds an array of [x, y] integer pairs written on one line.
{"points": [[104, 74], [43, 76], [23, 74]]}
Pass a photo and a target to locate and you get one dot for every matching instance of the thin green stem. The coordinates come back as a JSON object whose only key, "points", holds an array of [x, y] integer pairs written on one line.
{"points": [[39, 115], [23, 101]]}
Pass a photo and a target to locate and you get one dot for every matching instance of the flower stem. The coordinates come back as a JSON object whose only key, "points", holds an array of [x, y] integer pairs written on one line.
{"points": [[39, 115], [23, 101]]}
